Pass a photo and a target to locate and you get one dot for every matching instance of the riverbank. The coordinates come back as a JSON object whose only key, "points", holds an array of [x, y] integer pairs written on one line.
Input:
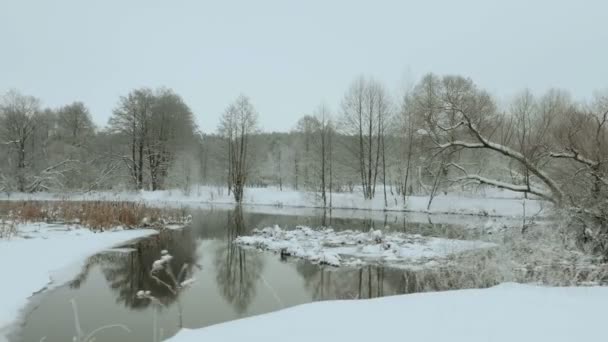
{"points": [[495, 203], [40, 256], [505, 313]]}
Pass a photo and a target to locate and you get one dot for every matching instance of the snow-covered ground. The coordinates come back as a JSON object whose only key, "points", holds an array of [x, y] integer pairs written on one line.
{"points": [[495, 203], [45, 255], [505, 313], [349, 248]]}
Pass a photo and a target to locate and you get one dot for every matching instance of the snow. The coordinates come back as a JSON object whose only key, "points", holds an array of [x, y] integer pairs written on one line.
{"points": [[489, 202], [348, 248], [505, 313], [421, 131], [46, 255]]}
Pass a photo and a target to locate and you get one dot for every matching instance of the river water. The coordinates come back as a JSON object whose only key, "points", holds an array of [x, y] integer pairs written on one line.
{"points": [[231, 282]]}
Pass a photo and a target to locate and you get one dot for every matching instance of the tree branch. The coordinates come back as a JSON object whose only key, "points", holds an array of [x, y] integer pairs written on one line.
{"points": [[575, 155], [557, 194], [509, 186]]}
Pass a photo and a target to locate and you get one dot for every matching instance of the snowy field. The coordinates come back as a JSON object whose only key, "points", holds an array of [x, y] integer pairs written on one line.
{"points": [[352, 248], [490, 203], [505, 313], [46, 255]]}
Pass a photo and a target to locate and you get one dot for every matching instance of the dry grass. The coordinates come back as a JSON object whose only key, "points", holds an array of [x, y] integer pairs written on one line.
{"points": [[97, 215], [8, 228]]}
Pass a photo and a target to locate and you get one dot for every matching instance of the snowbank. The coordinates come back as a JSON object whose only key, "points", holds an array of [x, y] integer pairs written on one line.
{"points": [[45, 254], [506, 313], [493, 204], [344, 248]]}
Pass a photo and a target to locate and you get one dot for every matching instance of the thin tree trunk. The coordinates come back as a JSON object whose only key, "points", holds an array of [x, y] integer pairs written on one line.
{"points": [[435, 185], [361, 152], [330, 169], [323, 196], [280, 177], [140, 166], [384, 171], [295, 161]]}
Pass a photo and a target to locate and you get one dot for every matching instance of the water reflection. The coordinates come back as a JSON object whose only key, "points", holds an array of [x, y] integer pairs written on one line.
{"points": [[231, 282], [377, 281], [128, 272], [237, 270]]}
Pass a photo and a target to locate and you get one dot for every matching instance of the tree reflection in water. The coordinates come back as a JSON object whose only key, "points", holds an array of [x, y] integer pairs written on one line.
{"points": [[238, 270], [327, 283], [129, 272]]}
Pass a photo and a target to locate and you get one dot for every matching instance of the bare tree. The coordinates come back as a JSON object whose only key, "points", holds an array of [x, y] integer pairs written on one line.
{"points": [[385, 114], [237, 124], [306, 128], [131, 118], [75, 124], [157, 124], [467, 119], [72, 136], [18, 119], [324, 129], [365, 107], [171, 129], [277, 155], [407, 125]]}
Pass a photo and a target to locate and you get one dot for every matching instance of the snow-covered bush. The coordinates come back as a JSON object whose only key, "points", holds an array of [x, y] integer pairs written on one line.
{"points": [[162, 272]]}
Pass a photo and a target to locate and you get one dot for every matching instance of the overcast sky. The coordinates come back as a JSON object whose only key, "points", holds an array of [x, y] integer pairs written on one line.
{"points": [[288, 56]]}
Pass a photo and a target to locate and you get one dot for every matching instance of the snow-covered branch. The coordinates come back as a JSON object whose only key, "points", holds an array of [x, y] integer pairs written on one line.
{"points": [[462, 169], [575, 155], [508, 186], [451, 128], [485, 143], [51, 176], [9, 142], [105, 174], [459, 143]]}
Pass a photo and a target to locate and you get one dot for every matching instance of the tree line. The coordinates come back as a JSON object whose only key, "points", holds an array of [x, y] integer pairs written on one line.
{"points": [[443, 134]]}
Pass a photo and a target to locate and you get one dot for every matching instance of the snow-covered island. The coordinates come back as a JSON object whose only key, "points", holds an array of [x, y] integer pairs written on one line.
{"points": [[355, 248]]}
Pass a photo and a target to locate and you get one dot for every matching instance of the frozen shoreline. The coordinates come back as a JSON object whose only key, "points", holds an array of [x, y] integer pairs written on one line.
{"points": [[498, 204], [45, 255]]}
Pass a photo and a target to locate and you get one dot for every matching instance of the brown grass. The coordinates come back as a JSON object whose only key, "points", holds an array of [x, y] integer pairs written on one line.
{"points": [[97, 215]]}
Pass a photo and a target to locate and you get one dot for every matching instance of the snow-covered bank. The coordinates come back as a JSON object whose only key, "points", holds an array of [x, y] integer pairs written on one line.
{"points": [[44, 255], [506, 313], [494, 204], [348, 247]]}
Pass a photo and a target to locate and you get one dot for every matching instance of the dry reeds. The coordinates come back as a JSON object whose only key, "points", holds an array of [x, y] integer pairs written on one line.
{"points": [[96, 215]]}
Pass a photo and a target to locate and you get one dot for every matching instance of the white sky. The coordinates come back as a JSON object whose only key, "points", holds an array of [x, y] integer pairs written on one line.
{"points": [[289, 56]]}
